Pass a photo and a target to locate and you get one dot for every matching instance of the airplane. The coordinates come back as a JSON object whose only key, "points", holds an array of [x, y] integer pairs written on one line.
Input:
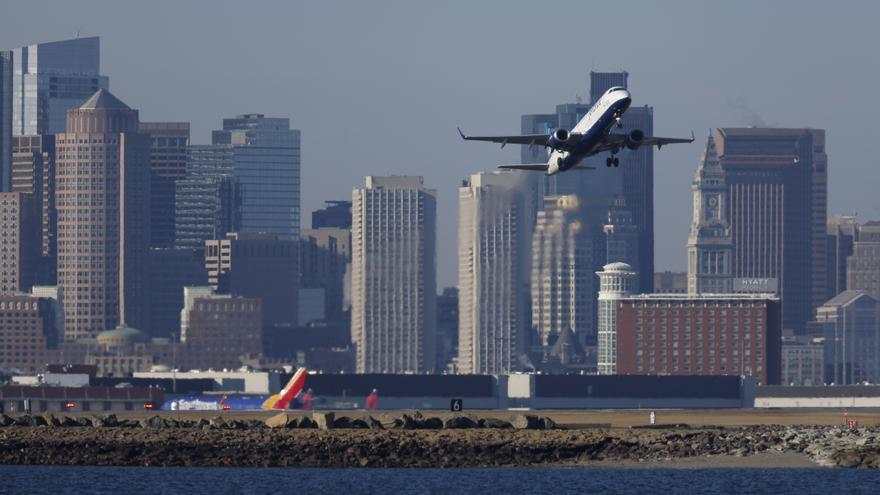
{"points": [[592, 135], [287, 398]]}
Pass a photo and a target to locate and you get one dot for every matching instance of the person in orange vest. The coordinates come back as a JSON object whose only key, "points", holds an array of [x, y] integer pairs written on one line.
{"points": [[373, 400], [307, 400]]}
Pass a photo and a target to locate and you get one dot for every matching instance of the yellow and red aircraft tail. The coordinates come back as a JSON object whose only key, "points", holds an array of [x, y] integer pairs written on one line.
{"points": [[282, 399]]}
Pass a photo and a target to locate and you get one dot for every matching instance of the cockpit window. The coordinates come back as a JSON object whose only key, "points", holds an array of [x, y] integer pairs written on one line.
{"points": [[615, 88]]}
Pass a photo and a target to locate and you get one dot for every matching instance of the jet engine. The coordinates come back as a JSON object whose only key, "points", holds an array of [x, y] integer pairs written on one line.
{"points": [[558, 139], [634, 139]]}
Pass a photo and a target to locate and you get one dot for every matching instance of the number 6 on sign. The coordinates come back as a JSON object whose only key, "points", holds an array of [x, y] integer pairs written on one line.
{"points": [[456, 405]]}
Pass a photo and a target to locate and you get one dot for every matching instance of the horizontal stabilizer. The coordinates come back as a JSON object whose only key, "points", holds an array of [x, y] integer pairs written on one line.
{"points": [[541, 167]]}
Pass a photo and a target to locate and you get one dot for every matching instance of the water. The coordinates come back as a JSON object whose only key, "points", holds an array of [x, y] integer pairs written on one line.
{"points": [[118, 480]]}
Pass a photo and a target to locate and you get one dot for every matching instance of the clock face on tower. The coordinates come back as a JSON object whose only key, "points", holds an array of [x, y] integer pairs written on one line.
{"points": [[711, 209]]}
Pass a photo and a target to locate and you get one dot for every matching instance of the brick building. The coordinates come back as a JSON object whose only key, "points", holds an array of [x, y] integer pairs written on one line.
{"points": [[711, 334]]}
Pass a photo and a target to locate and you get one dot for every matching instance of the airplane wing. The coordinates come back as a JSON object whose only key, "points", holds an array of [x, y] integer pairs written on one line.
{"points": [[538, 139], [613, 141], [542, 167]]}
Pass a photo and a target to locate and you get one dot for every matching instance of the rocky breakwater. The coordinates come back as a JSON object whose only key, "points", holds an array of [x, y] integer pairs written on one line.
{"points": [[324, 439]]}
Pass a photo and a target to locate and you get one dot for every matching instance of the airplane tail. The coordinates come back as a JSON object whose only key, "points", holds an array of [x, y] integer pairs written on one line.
{"points": [[282, 399]]}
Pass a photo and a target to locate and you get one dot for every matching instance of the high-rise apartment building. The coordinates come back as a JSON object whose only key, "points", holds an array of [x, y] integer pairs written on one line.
{"points": [[616, 281], [266, 155], [167, 166], [777, 195], [710, 244], [496, 215], [393, 237], [51, 78], [258, 266], [563, 284], [103, 203], [863, 267], [20, 241]]}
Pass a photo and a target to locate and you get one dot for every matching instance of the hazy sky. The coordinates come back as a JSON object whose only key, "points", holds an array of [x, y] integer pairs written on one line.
{"points": [[379, 87]]}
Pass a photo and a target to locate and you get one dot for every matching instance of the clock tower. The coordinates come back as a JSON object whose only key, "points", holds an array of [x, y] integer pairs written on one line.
{"points": [[710, 245]]}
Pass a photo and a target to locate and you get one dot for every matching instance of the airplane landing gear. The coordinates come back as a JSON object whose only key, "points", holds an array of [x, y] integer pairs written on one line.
{"points": [[612, 160]]}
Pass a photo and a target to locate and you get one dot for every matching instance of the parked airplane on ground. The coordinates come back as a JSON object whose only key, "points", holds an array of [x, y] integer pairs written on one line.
{"points": [[592, 135], [287, 398]]}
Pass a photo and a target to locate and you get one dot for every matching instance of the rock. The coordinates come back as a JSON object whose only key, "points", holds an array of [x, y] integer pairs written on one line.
{"points": [[306, 423], [527, 422], [406, 422], [375, 424], [6, 420], [847, 459], [431, 424], [153, 422], [38, 420], [107, 421], [324, 420], [460, 422], [343, 422], [218, 423], [128, 423], [549, 424], [494, 423], [282, 420], [359, 424]]}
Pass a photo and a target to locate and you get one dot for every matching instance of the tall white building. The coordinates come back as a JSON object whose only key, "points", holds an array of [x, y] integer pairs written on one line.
{"points": [[616, 281], [393, 283], [496, 215], [564, 255], [710, 243]]}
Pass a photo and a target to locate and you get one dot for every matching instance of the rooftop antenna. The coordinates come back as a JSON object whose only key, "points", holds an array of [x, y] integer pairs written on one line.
{"points": [[77, 33]]}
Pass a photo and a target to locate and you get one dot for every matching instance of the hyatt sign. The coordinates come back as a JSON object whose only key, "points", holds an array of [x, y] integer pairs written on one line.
{"points": [[764, 285]]}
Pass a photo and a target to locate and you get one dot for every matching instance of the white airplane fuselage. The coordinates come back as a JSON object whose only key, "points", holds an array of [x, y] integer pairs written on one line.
{"points": [[592, 128]]}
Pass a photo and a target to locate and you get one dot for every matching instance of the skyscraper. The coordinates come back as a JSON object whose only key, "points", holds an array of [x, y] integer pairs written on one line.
{"points": [[20, 238], [393, 321], [102, 197], [257, 265], [51, 78], [863, 267], [598, 189], [777, 195], [325, 254], [337, 214], [5, 119], [207, 202], [840, 239], [33, 172], [621, 235], [266, 155], [496, 216], [710, 245], [564, 288], [167, 166]]}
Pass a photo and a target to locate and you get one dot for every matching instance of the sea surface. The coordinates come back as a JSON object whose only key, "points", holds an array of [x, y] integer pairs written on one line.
{"points": [[122, 480]]}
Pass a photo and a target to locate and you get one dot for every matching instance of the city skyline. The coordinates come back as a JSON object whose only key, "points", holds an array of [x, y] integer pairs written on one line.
{"points": [[330, 102]]}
